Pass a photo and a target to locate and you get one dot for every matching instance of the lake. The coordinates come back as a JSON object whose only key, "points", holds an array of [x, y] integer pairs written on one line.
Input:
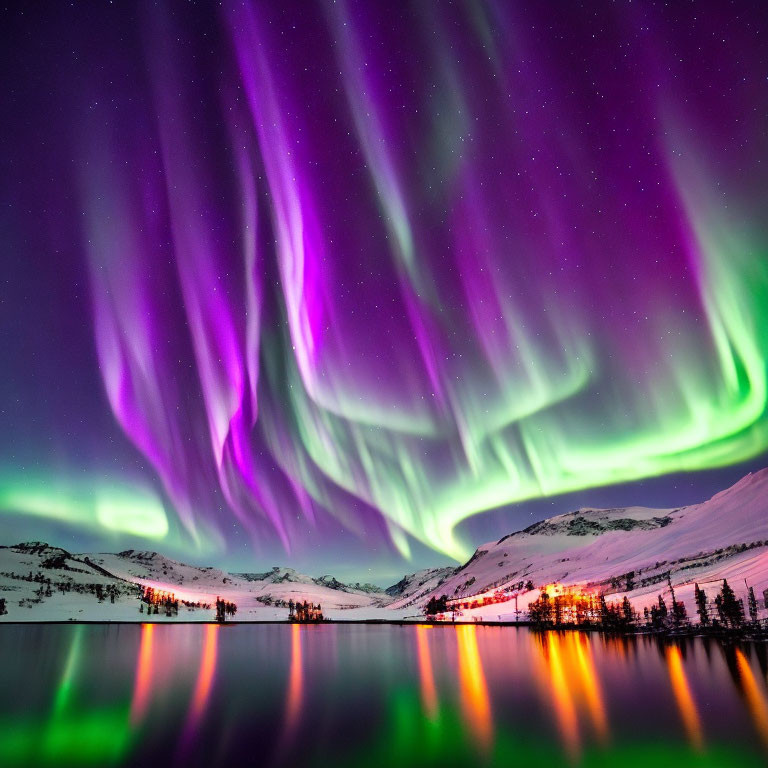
{"points": [[375, 695]]}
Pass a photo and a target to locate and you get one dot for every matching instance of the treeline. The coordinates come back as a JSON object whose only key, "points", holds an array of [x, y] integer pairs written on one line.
{"points": [[436, 605], [725, 614], [224, 608], [727, 610], [157, 600], [304, 611], [577, 609]]}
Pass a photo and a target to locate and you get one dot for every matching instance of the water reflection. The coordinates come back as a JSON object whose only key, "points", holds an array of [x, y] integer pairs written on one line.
{"points": [[295, 682], [64, 689], [558, 666], [755, 697], [205, 676], [426, 675], [375, 696], [569, 680], [591, 686], [143, 683], [72, 731], [684, 698], [474, 692]]}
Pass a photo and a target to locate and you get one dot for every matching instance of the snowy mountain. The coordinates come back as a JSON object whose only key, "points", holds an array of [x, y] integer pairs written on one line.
{"points": [[277, 576], [332, 583], [630, 550], [412, 588], [44, 583], [281, 575]]}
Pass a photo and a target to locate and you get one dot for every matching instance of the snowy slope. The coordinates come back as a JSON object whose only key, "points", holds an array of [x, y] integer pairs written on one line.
{"points": [[251, 592], [75, 585], [726, 536], [26, 568], [412, 588]]}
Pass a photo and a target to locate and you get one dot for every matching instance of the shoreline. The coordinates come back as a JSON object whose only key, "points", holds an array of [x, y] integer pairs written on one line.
{"points": [[720, 636]]}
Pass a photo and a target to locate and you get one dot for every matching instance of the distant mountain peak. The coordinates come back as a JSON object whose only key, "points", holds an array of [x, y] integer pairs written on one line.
{"points": [[141, 554], [413, 581], [39, 548]]}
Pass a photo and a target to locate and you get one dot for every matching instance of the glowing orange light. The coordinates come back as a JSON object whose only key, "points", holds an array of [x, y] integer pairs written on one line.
{"points": [[143, 682], [206, 673], [474, 692], [167, 589], [684, 698], [295, 681], [428, 691], [591, 686], [563, 700], [756, 701]]}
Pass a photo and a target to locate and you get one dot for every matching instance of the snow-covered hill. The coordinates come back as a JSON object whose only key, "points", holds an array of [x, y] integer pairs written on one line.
{"points": [[43, 583], [629, 551], [412, 589], [105, 587]]}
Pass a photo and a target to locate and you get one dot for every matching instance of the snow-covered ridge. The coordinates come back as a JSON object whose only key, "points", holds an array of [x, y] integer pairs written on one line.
{"points": [[44, 583], [280, 575], [628, 550], [593, 522], [414, 589]]}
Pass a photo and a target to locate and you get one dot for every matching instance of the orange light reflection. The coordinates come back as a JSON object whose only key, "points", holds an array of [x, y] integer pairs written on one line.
{"points": [[756, 700], [591, 686], [295, 682], [684, 698], [205, 675], [474, 692], [426, 676], [563, 699], [143, 682]]}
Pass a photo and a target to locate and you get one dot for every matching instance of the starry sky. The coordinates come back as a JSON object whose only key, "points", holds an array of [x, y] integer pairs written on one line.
{"points": [[356, 286]]}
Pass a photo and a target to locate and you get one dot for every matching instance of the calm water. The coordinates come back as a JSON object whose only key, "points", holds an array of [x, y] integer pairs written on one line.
{"points": [[350, 695]]}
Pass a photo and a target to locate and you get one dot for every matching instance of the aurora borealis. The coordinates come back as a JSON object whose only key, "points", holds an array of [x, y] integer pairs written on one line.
{"points": [[324, 275]]}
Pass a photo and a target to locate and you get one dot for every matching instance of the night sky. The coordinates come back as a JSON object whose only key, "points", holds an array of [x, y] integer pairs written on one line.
{"points": [[355, 287]]}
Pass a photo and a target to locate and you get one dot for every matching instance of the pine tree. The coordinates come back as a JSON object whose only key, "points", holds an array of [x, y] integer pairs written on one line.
{"points": [[540, 611], [701, 605], [627, 613], [679, 614], [557, 607], [434, 606], [752, 603], [659, 614], [730, 610], [603, 611]]}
